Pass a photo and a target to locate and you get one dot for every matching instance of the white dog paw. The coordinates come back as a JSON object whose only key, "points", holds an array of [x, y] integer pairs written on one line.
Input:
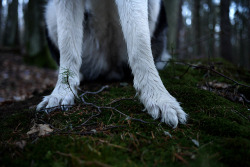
{"points": [[53, 101], [169, 111]]}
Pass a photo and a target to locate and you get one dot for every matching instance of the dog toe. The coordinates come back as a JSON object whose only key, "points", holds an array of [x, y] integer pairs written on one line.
{"points": [[182, 116], [42, 105], [52, 102], [67, 102], [169, 116]]}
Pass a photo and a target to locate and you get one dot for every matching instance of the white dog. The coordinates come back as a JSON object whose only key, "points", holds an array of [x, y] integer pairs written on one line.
{"points": [[98, 37]]}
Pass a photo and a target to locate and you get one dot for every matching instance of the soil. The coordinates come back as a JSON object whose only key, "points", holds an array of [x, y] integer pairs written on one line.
{"points": [[19, 81]]}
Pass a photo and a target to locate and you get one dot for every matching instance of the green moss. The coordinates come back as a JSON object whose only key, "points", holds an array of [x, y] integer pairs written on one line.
{"points": [[236, 151], [220, 126]]}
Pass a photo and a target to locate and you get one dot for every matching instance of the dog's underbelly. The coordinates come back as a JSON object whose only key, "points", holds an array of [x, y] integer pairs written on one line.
{"points": [[104, 51], [104, 48]]}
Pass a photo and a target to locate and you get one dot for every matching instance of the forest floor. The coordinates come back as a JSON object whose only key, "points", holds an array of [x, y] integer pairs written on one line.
{"points": [[110, 129]]}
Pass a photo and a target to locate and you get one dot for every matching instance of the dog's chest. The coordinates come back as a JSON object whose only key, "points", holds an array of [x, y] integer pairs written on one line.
{"points": [[100, 12]]}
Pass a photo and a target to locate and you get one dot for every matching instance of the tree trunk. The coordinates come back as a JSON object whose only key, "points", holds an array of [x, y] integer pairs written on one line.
{"points": [[197, 31], [172, 7], [212, 21], [248, 58], [11, 37], [225, 34], [36, 48], [1, 7], [180, 33]]}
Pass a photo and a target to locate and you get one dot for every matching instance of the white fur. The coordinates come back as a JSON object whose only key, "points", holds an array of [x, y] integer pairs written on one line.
{"points": [[154, 9], [152, 93], [86, 50], [70, 35], [51, 21]]}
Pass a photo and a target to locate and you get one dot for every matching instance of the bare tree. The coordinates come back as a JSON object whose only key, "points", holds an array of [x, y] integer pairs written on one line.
{"points": [[35, 41], [180, 32], [212, 22], [196, 23], [248, 60], [1, 7], [225, 35], [10, 37], [172, 7]]}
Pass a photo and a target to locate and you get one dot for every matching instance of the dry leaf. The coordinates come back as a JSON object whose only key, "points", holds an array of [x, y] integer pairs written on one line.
{"points": [[21, 144], [196, 142], [41, 129], [219, 85], [167, 134]]}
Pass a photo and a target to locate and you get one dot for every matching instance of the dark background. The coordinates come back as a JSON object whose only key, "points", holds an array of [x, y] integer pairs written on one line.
{"points": [[197, 29]]}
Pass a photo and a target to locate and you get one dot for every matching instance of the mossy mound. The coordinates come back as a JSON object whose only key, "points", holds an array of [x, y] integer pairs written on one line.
{"points": [[217, 132]]}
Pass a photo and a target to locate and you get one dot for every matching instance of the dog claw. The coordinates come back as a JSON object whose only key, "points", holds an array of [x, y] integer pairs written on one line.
{"points": [[65, 108]]}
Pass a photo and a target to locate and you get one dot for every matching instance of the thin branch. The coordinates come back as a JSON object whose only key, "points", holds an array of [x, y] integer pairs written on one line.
{"points": [[99, 109], [94, 93], [211, 69], [229, 78], [90, 132], [85, 122], [82, 162], [113, 108], [243, 116], [122, 99]]}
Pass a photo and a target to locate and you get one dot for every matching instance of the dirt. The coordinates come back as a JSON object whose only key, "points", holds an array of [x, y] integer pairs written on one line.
{"points": [[19, 81]]}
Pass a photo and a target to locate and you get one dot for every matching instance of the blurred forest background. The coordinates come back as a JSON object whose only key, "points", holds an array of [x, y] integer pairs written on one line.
{"points": [[213, 92], [197, 29]]}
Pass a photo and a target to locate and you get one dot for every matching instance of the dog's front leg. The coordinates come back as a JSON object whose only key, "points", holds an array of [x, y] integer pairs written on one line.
{"points": [[70, 35], [152, 93]]}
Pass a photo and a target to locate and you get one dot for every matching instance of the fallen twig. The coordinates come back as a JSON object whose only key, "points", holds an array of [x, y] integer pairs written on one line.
{"points": [[181, 158], [122, 99], [99, 111], [243, 116], [114, 145], [82, 162], [112, 108], [85, 122], [94, 93], [210, 69], [89, 132]]}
